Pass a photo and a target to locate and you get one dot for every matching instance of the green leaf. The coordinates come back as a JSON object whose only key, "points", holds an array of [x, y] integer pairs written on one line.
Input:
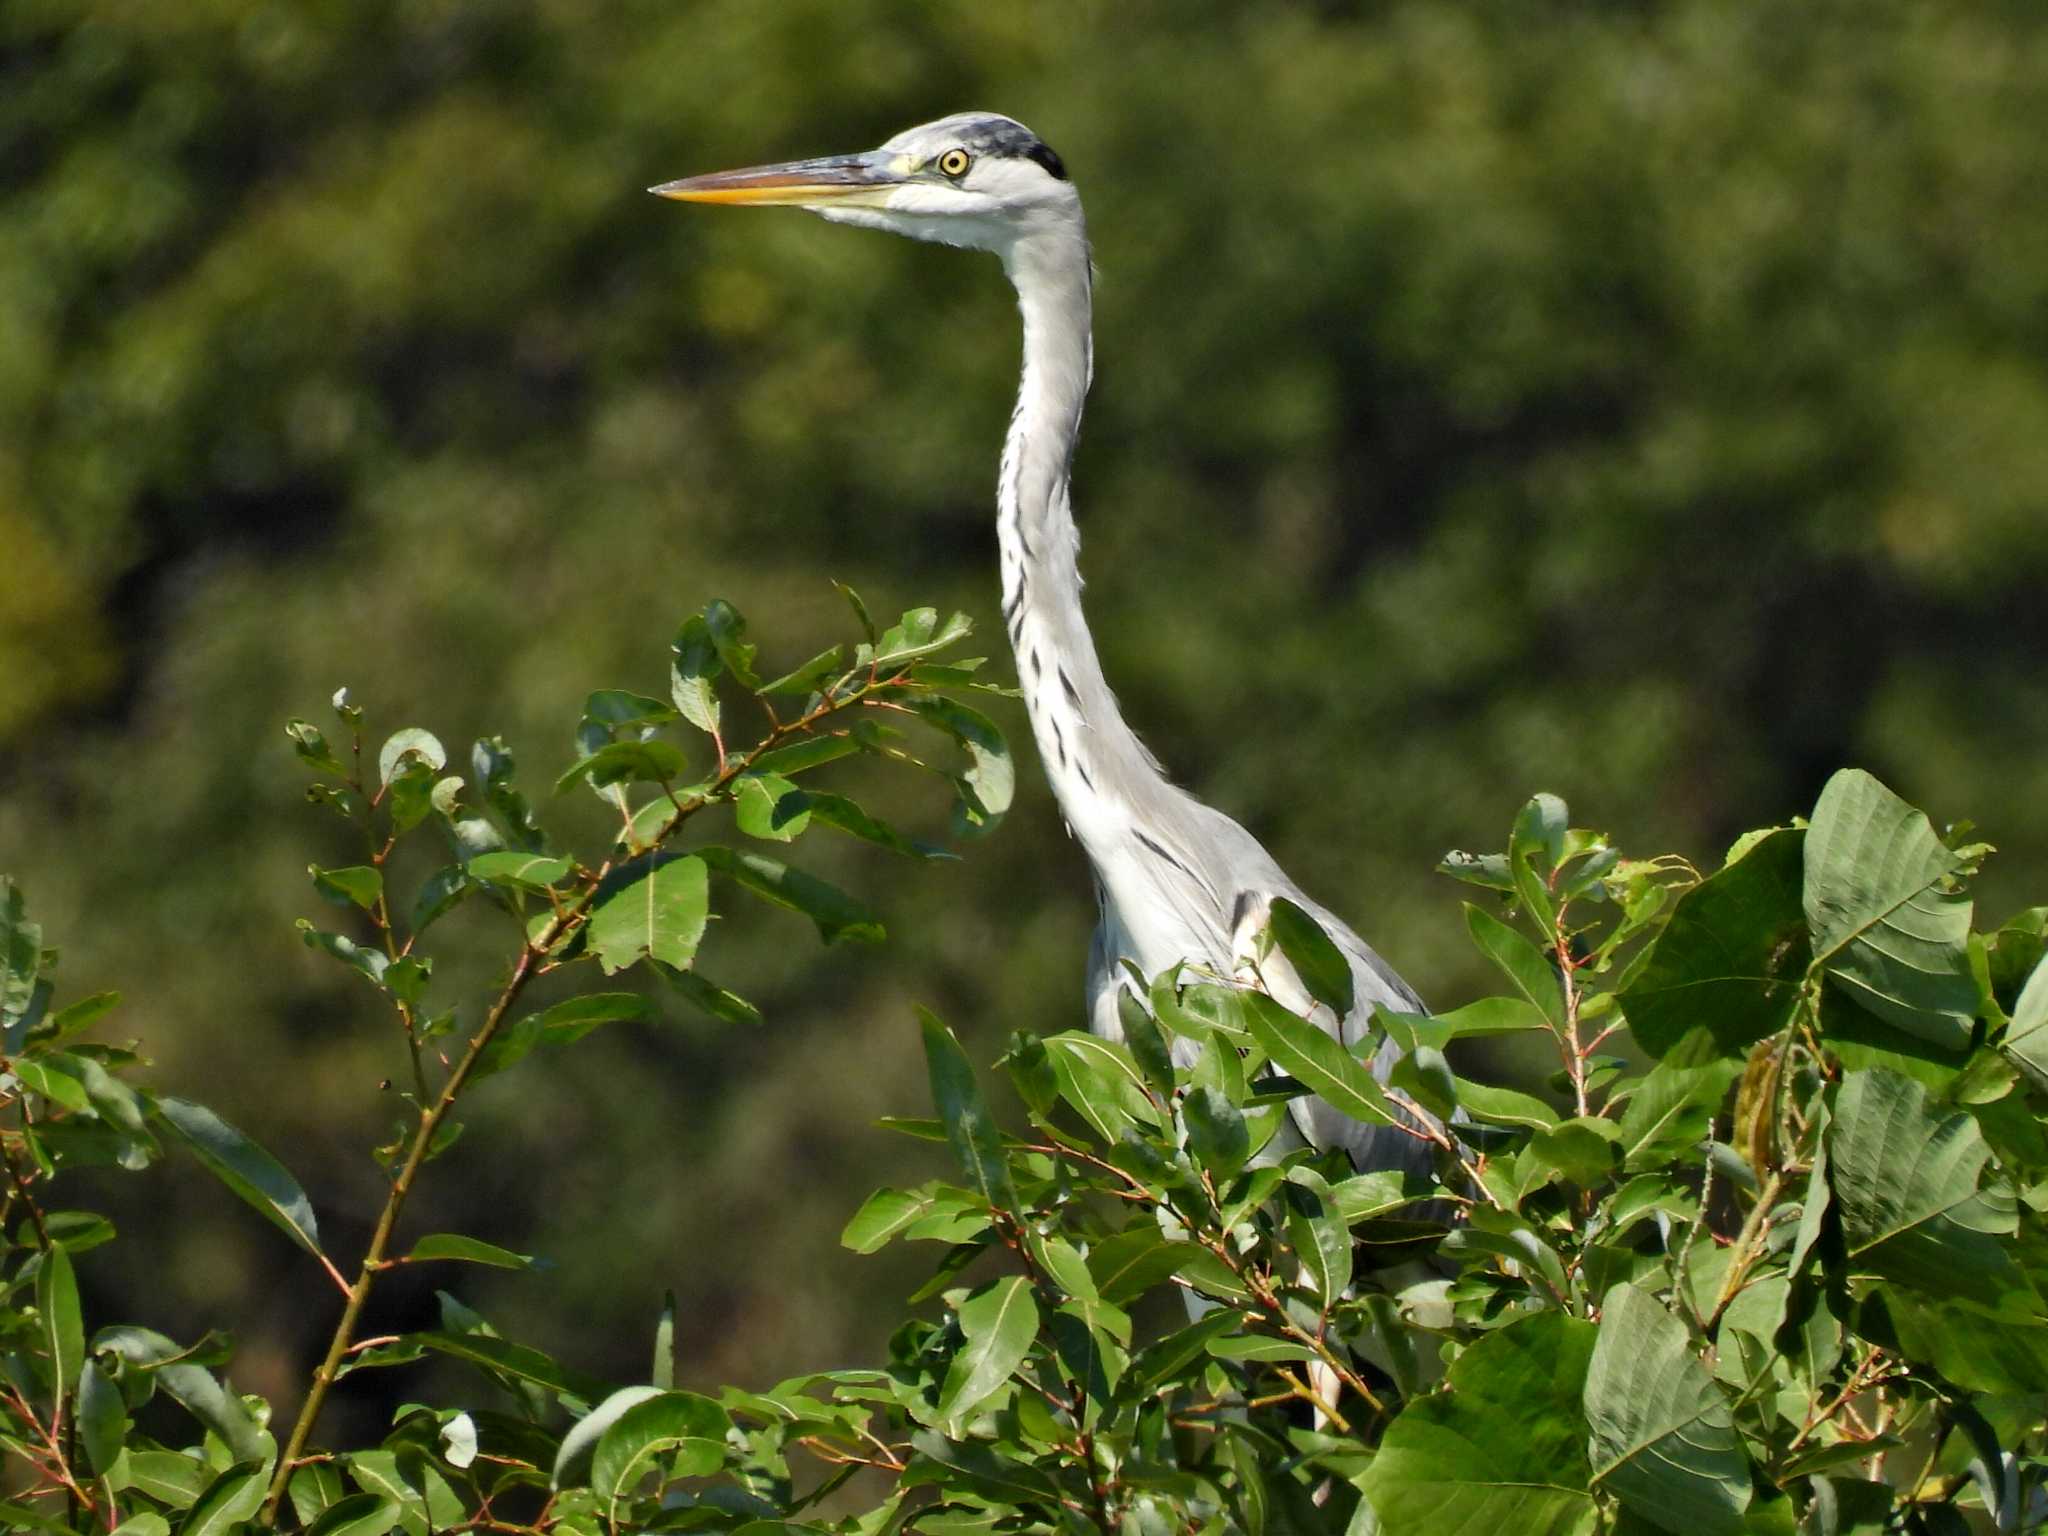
{"points": [[708, 996], [1672, 1110], [884, 1215], [842, 814], [406, 747], [359, 1514], [970, 1129], [1503, 1106], [1732, 956], [580, 1443], [692, 673], [1301, 1050], [1316, 960], [146, 1523], [102, 1417], [21, 959], [1133, 1261], [78, 1017], [564, 1024], [722, 622], [1217, 1134], [625, 762], [1888, 923], [838, 915], [1905, 1179], [1449, 1462], [454, 1245], [991, 778], [757, 797], [660, 913], [1520, 961], [167, 1476], [1252, 1346], [360, 884], [531, 871], [314, 1488], [63, 1322], [371, 963], [233, 1497], [919, 633], [812, 676], [1663, 1439], [1316, 1229], [621, 706], [49, 1080], [682, 1425], [1000, 1322], [975, 1467], [500, 1355], [2026, 1039], [1101, 1080], [244, 1167]]}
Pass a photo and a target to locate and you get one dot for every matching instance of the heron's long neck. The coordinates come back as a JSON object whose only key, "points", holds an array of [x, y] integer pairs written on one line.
{"points": [[1091, 756]]}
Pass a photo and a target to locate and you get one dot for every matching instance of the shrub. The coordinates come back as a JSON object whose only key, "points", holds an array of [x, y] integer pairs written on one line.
{"points": [[1764, 1257]]}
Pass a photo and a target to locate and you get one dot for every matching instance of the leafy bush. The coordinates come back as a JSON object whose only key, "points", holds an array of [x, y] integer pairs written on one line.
{"points": [[1777, 1269]]}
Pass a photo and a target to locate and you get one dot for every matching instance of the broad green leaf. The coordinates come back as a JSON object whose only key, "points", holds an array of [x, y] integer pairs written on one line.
{"points": [[79, 1016], [580, 1443], [728, 630], [1449, 1465], [564, 1024], [409, 746], [63, 1323], [51, 1082], [837, 914], [310, 744], [1732, 956], [1145, 1041], [244, 1167], [991, 778], [682, 1426], [517, 1360], [511, 867], [102, 1417], [1301, 1050], [970, 1129], [146, 1523], [812, 676], [232, 1498], [2027, 1037], [1000, 1323], [1101, 1080], [1906, 1178], [358, 884], [1520, 961], [1133, 1261], [693, 671], [1321, 1239], [757, 797], [919, 633], [1316, 960], [1252, 1346], [1217, 1134], [660, 914], [425, 1499], [706, 995], [973, 1466], [1672, 1109], [359, 1514], [621, 706], [1889, 925], [887, 1214], [372, 963], [625, 762], [806, 753], [169, 1477], [1503, 1106], [315, 1488], [1663, 1440], [453, 1245]]}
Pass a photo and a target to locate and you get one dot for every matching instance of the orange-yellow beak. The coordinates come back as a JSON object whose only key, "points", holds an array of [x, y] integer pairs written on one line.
{"points": [[795, 183]]}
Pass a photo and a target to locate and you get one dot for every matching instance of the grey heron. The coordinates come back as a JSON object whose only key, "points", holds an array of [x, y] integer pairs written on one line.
{"points": [[1176, 881]]}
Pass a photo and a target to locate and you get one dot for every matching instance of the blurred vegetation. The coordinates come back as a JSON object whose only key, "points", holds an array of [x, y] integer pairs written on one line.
{"points": [[1647, 401]]}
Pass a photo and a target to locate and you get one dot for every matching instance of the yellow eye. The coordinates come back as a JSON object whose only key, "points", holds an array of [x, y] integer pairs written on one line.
{"points": [[954, 163]]}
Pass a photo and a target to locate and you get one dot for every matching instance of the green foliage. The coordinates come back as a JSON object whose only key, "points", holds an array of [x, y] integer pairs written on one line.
{"points": [[1778, 1273]]}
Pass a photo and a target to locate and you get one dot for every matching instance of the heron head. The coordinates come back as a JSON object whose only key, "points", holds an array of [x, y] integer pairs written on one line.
{"points": [[974, 179]]}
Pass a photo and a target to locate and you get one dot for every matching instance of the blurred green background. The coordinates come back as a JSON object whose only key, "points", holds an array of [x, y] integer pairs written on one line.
{"points": [[1640, 401]]}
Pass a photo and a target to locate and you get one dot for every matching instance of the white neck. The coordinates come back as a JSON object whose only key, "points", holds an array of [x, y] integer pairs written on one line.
{"points": [[1091, 756]]}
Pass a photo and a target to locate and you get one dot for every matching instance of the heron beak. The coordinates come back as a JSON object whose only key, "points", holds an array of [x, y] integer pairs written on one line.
{"points": [[854, 179]]}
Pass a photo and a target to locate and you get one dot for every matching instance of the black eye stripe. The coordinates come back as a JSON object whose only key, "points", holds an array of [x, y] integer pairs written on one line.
{"points": [[1043, 154]]}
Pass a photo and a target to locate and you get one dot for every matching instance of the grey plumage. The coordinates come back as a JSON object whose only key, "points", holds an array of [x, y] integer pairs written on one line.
{"points": [[1177, 882]]}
